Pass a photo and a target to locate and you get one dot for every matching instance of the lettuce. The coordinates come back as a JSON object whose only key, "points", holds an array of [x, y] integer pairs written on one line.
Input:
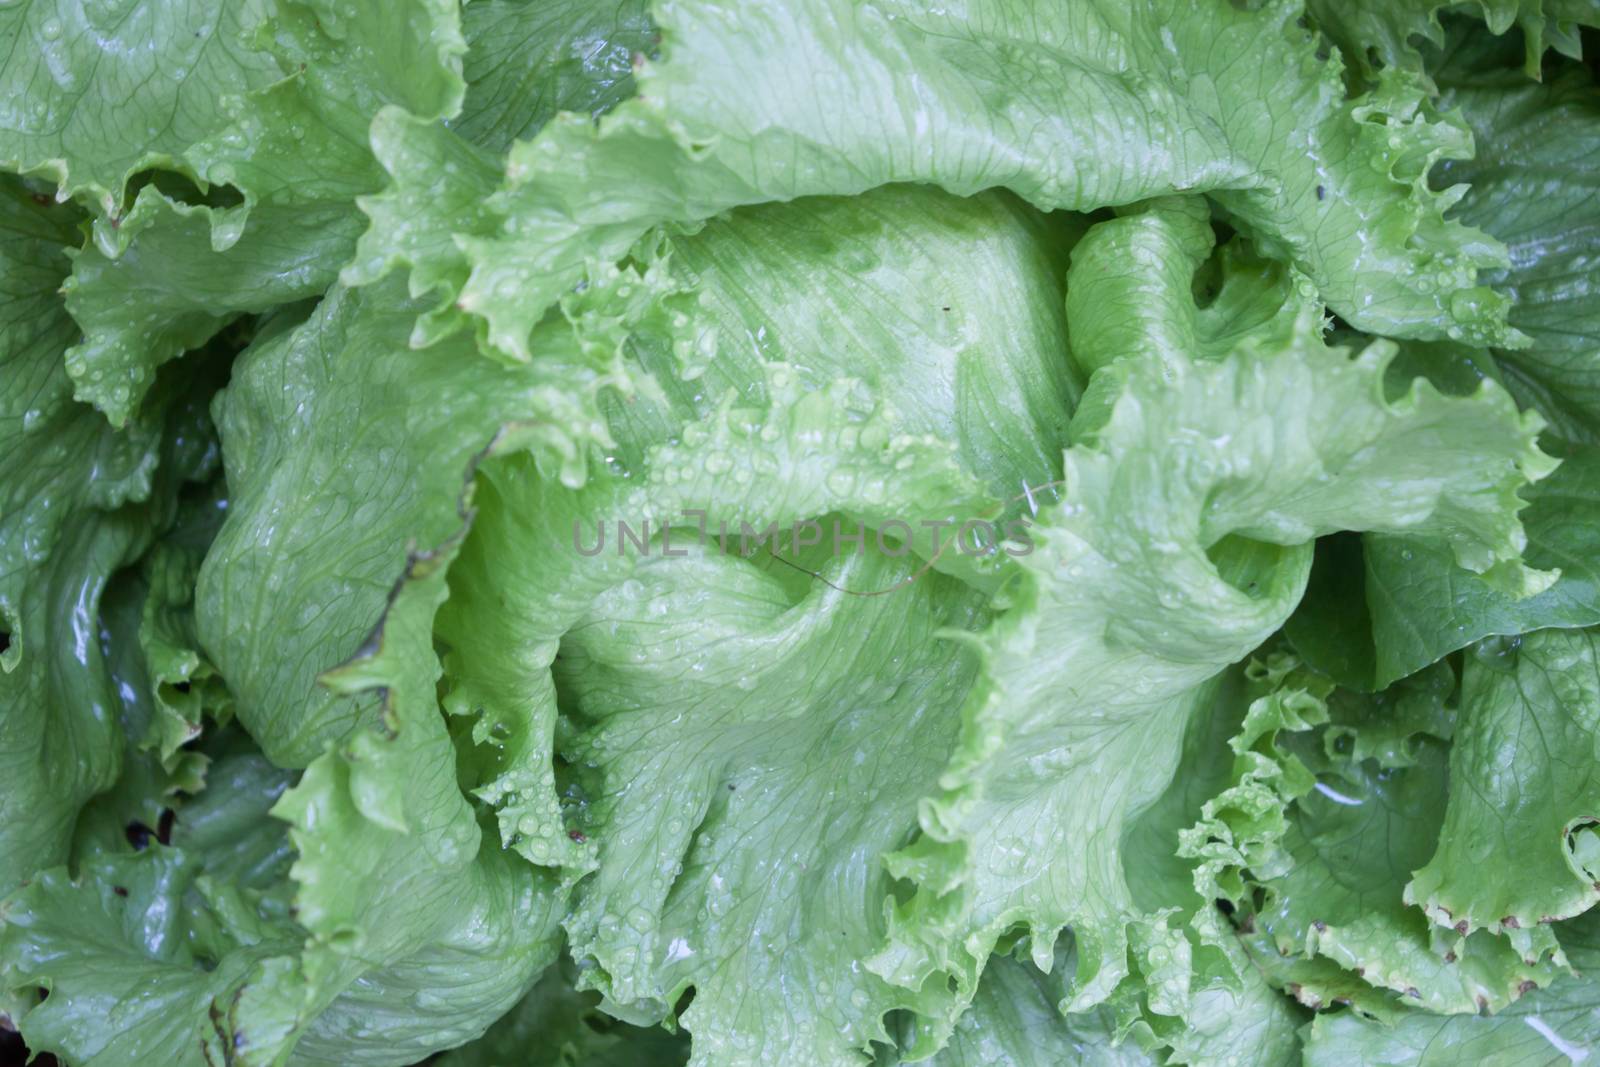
{"points": [[811, 533]]}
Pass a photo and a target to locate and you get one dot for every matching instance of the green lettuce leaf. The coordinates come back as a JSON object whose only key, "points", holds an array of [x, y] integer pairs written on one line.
{"points": [[1234, 1013], [294, 154], [708, 455], [396, 883], [564, 1028], [1221, 469], [163, 275], [149, 649], [959, 552], [81, 502], [949, 309], [1314, 841], [1381, 607], [996, 342], [1377, 34], [757, 442], [169, 290], [128, 981], [134, 945], [1518, 846], [1553, 1027], [1013, 1020], [334, 950], [323, 507], [1534, 184], [526, 61], [98, 92], [1109, 114], [684, 895]]}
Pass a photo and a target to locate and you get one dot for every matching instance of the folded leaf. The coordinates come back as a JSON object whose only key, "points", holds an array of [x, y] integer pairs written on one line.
{"points": [[564, 1028], [1162, 566], [1120, 104], [324, 505], [1553, 1027], [1516, 849], [171, 273], [1383, 606], [98, 92], [80, 502], [1535, 184], [1376, 34]]}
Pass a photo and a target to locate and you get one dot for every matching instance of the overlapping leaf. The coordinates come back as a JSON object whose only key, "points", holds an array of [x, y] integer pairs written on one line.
{"points": [[79, 502], [1109, 105], [1088, 675]]}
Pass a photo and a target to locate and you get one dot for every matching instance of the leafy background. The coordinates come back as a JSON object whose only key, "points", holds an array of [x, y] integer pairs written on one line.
{"points": [[323, 324]]}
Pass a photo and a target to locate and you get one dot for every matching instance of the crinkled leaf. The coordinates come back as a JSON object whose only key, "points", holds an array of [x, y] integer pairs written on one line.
{"points": [[741, 782], [1554, 1027], [96, 92], [1233, 1014], [170, 290], [389, 897], [1338, 893], [1077, 108], [1379, 34], [1521, 816], [1013, 1021], [1423, 607], [1313, 841], [171, 273], [128, 984], [342, 446], [950, 309], [525, 63], [80, 501], [767, 444], [1221, 467], [1381, 607], [1535, 184], [396, 884]]}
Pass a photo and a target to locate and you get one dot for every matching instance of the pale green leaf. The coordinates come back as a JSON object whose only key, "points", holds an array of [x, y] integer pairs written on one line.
{"points": [[1071, 107]]}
